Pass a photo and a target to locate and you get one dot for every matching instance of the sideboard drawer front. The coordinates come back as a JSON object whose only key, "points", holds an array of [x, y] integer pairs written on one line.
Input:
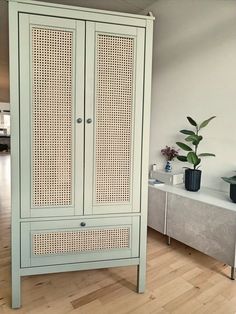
{"points": [[205, 227], [156, 209], [70, 241]]}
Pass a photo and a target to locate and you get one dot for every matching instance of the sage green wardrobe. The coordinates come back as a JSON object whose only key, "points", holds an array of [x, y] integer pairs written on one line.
{"points": [[80, 103]]}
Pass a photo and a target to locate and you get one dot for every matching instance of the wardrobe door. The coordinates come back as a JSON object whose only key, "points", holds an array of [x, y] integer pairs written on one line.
{"points": [[51, 104], [113, 112]]}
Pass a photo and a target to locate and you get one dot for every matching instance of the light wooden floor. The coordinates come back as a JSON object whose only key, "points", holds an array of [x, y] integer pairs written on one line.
{"points": [[179, 279]]}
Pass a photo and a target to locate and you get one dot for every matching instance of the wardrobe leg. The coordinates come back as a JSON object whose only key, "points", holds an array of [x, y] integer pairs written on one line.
{"points": [[168, 240], [16, 290], [232, 277], [141, 277]]}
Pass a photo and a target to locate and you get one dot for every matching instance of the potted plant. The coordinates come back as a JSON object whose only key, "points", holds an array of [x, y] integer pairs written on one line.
{"points": [[193, 176], [232, 182], [169, 153]]}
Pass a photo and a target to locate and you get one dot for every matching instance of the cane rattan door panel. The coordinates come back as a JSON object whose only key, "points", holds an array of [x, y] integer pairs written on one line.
{"points": [[52, 124], [114, 119], [51, 136], [68, 242], [116, 108]]}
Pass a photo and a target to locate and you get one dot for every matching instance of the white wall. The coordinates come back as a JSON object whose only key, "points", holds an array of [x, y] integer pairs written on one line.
{"points": [[194, 73]]}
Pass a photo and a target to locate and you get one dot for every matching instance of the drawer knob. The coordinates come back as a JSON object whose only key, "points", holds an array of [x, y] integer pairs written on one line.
{"points": [[83, 224], [89, 121], [79, 120]]}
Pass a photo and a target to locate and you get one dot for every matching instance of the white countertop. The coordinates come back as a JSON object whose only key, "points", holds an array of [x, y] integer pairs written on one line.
{"points": [[205, 195]]}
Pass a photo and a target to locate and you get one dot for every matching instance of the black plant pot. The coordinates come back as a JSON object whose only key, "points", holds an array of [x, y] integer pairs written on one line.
{"points": [[233, 192], [192, 179]]}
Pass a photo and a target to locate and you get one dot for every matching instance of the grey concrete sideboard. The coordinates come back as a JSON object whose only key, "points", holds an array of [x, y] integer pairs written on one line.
{"points": [[204, 220]]}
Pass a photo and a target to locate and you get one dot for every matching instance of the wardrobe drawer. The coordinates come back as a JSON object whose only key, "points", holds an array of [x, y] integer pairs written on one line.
{"points": [[79, 240]]}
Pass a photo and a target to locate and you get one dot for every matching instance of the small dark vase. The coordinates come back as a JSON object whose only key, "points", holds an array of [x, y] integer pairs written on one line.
{"points": [[233, 192], [193, 179], [168, 167]]}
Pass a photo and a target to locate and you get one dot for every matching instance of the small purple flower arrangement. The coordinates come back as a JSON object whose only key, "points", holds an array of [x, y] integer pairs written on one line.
{"points": [[169, 153]]}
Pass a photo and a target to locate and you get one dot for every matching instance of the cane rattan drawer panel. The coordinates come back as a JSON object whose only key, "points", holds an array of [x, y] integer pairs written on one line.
{"points": [[80, 240]]}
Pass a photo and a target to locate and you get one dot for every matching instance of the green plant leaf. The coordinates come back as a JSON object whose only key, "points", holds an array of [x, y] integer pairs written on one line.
{"points": [[205, 123], [192, 158], [197, 165], [199, 160], [231, 180], [187, 132], [195, 139], [198, 140], [182, 158], [191, 121], [206, 155], [191, 138], [184, 146]]}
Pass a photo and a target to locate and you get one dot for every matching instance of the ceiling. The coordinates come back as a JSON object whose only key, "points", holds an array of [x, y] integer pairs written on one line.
{"points": [[129, 6]]}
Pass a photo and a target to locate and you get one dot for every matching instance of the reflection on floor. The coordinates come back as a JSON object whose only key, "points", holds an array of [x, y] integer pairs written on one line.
{"points": [[179, 279]]}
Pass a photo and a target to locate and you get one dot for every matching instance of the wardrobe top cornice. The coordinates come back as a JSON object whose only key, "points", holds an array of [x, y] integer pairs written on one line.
{"points": [[84, 9]]}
